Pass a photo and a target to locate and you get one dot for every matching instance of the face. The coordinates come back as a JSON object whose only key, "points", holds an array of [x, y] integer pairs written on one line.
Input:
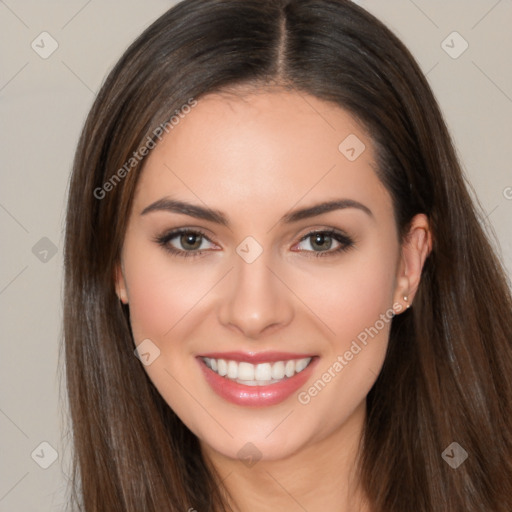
{"points": [[260, 247]]}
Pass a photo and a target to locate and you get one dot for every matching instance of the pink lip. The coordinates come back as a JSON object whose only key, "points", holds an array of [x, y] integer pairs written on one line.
{"points": [[255, 358], [255, 396]]}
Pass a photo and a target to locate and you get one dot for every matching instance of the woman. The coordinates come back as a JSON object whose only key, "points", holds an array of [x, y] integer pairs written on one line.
{"points": [[266, 205]]}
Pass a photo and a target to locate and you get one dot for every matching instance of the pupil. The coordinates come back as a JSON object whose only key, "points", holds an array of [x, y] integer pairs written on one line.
{"points": [[322, 241], [190, 241]]}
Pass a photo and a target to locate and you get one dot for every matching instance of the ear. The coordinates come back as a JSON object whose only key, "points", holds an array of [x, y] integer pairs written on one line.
{"points": [[414, 251], [121, 289]]}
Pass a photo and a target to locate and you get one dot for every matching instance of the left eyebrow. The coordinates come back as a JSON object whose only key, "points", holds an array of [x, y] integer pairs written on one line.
{"points": [[216, 216], [319, 209]]}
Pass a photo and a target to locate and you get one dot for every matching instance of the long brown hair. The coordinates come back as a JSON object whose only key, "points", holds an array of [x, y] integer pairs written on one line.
{"points": [[447, 373]]}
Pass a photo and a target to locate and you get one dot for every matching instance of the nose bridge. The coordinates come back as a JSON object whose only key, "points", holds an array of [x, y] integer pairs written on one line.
{"points": [[255, 299]]}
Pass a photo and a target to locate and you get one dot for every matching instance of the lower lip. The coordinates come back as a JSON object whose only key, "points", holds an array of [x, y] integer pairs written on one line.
{"points": [[255, 396]]}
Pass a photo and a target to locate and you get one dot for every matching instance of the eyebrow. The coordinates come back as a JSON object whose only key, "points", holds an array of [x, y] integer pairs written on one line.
{"points": [[216, 216]]}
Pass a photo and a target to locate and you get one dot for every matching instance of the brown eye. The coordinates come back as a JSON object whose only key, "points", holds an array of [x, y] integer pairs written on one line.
{"points": [[191, 241], [321, 242], [185, 242], [325, 243]]}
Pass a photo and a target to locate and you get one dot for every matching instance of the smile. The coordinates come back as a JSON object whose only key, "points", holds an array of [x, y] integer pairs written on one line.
{"points": [[261, 374], [256, 380]]}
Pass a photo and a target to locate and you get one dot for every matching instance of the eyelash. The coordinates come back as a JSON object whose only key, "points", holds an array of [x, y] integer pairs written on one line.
{"points": [[345, 242]]}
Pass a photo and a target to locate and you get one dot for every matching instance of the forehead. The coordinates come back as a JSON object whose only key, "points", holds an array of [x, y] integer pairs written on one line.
{"points": [[265, 150]]}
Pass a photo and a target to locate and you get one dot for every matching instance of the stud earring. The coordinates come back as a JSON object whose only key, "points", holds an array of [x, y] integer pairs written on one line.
{"points": [[406, 299]]}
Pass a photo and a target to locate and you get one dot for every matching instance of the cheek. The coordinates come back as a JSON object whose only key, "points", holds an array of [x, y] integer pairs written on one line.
{"points": [[366, 296], [162, 292], [349, 297], [357, 306]]}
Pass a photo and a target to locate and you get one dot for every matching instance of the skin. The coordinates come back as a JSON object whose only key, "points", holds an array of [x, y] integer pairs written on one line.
{"points": [[255, 157]]}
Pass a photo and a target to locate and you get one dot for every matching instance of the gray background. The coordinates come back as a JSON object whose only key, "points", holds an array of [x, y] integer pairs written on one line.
{"points": [[43, 103]]}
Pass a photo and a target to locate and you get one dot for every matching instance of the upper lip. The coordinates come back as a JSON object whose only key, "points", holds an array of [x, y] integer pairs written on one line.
{"points": [[256, 357]]}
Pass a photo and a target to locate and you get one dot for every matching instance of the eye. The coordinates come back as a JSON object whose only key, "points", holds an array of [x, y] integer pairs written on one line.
{"points": [[184, 242], [322, 243], [192, 243]]}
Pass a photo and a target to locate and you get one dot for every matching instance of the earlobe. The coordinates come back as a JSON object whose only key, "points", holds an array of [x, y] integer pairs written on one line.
{"points": [[121, 290], [414, 252]]}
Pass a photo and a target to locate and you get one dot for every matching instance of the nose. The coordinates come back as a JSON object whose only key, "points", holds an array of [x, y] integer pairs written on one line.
{"points": [[255, 302]]}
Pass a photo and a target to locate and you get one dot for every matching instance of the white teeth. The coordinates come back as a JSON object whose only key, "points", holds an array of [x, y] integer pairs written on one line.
{"points": [[289, 368], [263, 372], [257, 374], [222, 367], [257, 382], [245, 371], [232, 370], [299, 365], [278, 370]]}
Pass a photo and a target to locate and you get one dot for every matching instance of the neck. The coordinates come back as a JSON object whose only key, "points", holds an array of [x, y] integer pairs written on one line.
{"points": [[322, 475]]}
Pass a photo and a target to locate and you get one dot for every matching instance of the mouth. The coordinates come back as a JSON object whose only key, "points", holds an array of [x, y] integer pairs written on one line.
{"points": [[262, 374], [256, 379]]}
